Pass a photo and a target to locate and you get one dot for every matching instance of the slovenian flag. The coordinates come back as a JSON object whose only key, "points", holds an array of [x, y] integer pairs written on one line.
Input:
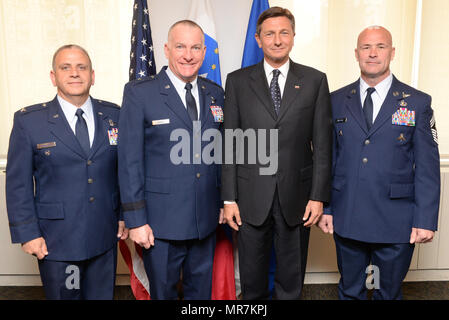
{"points": [[201, 13]]}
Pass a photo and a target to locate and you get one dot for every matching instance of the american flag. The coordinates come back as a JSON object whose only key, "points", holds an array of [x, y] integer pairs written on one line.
{"points": [[142, 55], [141, 65]]}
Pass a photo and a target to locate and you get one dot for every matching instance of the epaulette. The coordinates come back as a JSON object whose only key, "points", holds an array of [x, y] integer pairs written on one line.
{"points": [[143, 80], [35, 107], [211, 82], [108, 104]]}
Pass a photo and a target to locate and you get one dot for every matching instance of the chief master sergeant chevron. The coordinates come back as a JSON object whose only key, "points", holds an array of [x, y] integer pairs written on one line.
{"points": [[386, 172], [172, 209], [61, 183]]}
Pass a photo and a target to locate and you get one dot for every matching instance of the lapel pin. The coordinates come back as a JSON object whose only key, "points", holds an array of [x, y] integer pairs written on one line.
{"points": [[297, 86], [353, 91], [23, 110], [395, 93], [56, 116], [100, 113], [405, 95], [203, 87], [44, 104], [167, 86]]}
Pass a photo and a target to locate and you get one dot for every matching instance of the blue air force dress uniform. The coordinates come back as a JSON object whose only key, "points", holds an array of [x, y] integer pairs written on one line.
{"points": [[56, 191], [386, 181], [179, 200]]}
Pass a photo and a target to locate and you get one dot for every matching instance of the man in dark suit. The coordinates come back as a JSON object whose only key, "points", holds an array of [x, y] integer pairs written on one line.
{"points": [[277, 94], [386, 173], [61, 183], [170, 194]]}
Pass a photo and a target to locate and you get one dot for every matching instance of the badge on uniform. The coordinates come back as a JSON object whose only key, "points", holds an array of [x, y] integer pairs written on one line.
{"points": [[113, 135], [217, 112], [403, 117]]}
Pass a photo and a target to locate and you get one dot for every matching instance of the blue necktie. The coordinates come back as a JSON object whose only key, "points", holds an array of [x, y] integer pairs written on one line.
{"points": [[190, 102], [368, 108], [275, 91], [81, 132]]}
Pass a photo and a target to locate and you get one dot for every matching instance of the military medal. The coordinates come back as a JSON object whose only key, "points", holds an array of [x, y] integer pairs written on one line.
{"points": [[403, 117], [217, 112], [113, 135]]}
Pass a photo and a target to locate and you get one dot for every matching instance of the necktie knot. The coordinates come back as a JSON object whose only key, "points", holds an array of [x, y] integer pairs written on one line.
{"points": [[188, 86], [79, 112], [370, 90], [276, 74]]}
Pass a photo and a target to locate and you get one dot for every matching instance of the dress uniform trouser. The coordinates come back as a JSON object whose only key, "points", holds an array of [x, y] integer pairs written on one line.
{"points": [[92, 279], [164, 261], [353, 258]]}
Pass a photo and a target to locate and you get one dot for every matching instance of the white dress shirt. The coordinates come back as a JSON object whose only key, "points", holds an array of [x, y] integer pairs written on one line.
{"points": [[377, 96], [180, 88], [88, 115], [282, 76]]}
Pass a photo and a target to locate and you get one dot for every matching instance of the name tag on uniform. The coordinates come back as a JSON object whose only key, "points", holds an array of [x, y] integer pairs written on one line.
{"points": [[159, 122], [113, 135], [46, 145], [217, 112], [403, 117]]}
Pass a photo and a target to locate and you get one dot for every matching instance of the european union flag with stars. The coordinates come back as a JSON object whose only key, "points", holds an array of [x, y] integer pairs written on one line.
{"points": [[142, 62]]}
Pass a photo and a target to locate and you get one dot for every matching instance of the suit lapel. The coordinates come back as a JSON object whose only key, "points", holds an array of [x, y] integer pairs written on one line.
{"points": [[60, 128], [172, 99], [291, 89], [354, 105], [258, 83], [389, 106], [100, 128]]}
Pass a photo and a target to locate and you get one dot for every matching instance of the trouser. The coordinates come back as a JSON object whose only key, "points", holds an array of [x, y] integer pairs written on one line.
{"points": [[91, 279], [290, 246], [164, 261], [390, 264]]}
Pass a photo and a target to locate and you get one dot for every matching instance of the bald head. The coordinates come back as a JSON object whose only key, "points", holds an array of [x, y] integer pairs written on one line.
{"points": [[184, 23], [375, 30]]}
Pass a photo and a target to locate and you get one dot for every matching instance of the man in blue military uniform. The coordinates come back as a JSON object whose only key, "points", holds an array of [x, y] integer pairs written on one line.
{"points": [[61, 183], [172, 207], [386, 173]]}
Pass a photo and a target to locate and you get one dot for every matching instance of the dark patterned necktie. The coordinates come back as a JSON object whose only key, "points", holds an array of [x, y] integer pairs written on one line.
{"points": [[81, 132], [190, 101], [368, 108], [275, 91]]}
